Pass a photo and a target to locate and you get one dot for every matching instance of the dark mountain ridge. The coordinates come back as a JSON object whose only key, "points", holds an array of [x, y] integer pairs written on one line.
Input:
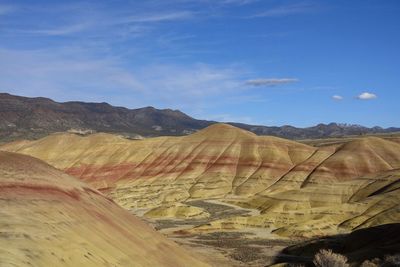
{"points": [[31, 118]]}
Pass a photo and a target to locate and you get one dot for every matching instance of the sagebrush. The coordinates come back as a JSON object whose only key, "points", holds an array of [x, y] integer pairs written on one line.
{"points": [[327, 258]]}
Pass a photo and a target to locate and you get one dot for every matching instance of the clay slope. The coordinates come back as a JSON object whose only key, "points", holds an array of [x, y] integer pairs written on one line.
{"points": [[217, 161], [322, 208], [299, 189], [49, 218]]}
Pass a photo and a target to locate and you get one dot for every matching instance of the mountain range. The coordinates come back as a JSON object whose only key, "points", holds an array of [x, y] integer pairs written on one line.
{"points": [[33, 118]]}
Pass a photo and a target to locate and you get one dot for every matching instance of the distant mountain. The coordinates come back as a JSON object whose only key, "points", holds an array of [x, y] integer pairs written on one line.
{"points": [[319, 131], [23, 117], [32, 118]]}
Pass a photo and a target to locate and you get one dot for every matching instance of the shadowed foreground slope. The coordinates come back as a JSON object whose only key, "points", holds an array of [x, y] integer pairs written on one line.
{"points": [[358, 246], [49, 218]]}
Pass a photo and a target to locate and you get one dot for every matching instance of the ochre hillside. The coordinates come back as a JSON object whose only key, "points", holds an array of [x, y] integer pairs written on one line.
{"points": [[213, 162], [49, 218], [298, 189]]}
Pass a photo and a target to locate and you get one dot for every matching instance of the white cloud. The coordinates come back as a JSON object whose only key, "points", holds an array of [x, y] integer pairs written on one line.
{"points": [[270, 81], [337, 97], [366, 96]]}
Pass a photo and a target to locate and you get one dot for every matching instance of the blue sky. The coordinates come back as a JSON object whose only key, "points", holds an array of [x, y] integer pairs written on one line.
{"points": [[253, 61]]}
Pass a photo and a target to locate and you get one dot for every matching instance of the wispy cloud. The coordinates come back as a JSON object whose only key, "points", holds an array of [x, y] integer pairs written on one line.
{"points": [[367, 96], [270, 81], [63, 20], [158, 17], [70, 75], [337, 97], [196, 81], [231, 118], [60, 31], [238, 2], [5, 9], [285, 10], [62, 74]]}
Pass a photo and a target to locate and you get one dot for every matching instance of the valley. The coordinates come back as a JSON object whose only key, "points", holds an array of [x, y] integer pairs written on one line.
{"points": [[242, 247]]}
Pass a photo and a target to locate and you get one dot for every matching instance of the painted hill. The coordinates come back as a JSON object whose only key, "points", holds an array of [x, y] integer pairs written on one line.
{"points": [[298, 190], [32, 118], [218, 160], [49, 218]]}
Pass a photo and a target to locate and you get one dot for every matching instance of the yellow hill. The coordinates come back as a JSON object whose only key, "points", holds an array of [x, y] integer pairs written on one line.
{"points": [[49, 218]]}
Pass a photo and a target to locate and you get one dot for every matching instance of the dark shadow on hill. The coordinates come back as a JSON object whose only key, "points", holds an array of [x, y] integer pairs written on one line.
{"points": [[358, 246]]}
